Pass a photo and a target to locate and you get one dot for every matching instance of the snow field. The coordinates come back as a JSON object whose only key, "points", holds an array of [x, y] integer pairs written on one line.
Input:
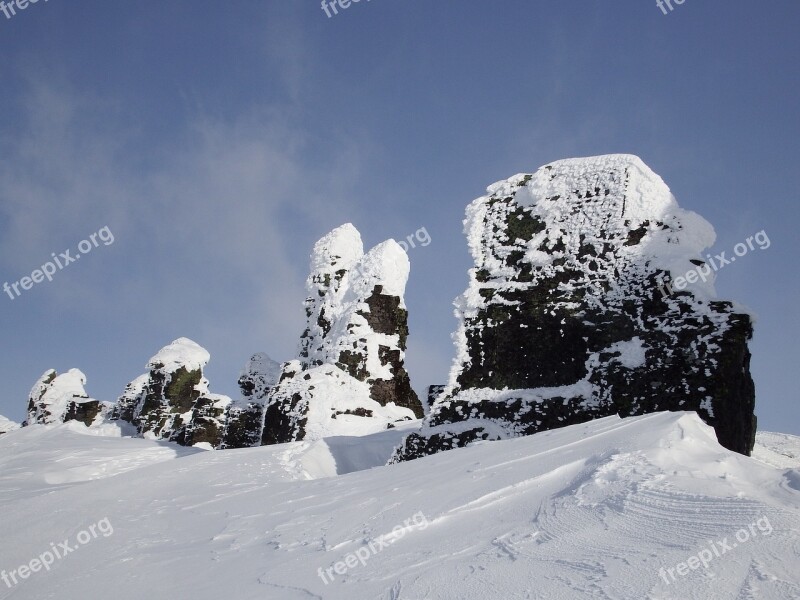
{"points": [[593, 510]]}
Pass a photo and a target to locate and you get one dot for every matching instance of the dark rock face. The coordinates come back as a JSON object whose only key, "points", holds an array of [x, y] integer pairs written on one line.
{"points": [[244, 420], [387, 316], [569, 315], [349, 378], [39, 411], [243, 426], [126, 405], [167, 397], [434, 391], [172, 401], [206, 423], [286, 413], [85, 412]]}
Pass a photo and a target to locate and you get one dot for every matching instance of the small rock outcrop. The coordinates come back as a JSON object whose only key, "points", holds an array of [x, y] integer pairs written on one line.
{"points": [[172, 401], [434, 391], [244, 419], [349, 378], [574, 311], [58, 398]]}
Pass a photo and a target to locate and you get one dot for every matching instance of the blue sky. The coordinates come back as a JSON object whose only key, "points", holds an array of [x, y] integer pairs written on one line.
{"points": [[219, 141]]}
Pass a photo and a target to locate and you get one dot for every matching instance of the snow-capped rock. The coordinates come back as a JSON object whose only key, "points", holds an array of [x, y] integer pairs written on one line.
{"points": [[172, 401], [244, 419], [332, 258], [350, 376], [7, 425], [568, 315], [58, 398]]}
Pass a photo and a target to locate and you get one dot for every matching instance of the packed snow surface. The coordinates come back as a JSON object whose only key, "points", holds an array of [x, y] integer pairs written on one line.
{"points": [[43, 458], [590, 511]]}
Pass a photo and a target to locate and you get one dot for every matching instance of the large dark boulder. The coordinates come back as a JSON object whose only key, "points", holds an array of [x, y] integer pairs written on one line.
{"points": [[579, 307]]}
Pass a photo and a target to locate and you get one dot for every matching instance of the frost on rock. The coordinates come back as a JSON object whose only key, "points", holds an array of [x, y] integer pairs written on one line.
{"points": [[349, 378], [58, 398], [172, 401], [7, 425], [566, 317], [244, 419]]}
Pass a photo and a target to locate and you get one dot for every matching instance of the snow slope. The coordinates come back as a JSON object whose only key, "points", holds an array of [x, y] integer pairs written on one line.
{"points": [[41, 459], [7, 425], [779, 450], [589, 511]]}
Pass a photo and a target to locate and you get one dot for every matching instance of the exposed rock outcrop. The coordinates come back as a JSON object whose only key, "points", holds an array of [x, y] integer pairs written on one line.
{"points": [[58, 398], [349, 378], [127, 403], [569, 315], [434, 391], [244, 419], [172, 401]]}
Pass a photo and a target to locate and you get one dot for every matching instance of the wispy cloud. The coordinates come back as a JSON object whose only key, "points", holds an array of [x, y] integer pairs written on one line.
{"points": [[213, 225]]}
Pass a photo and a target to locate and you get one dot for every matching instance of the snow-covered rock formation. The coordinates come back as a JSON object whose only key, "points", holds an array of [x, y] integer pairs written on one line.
{"points": [[244, 419], [575, 311], [172, 401], [349, 378], [7, 425], [58, 398]]}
